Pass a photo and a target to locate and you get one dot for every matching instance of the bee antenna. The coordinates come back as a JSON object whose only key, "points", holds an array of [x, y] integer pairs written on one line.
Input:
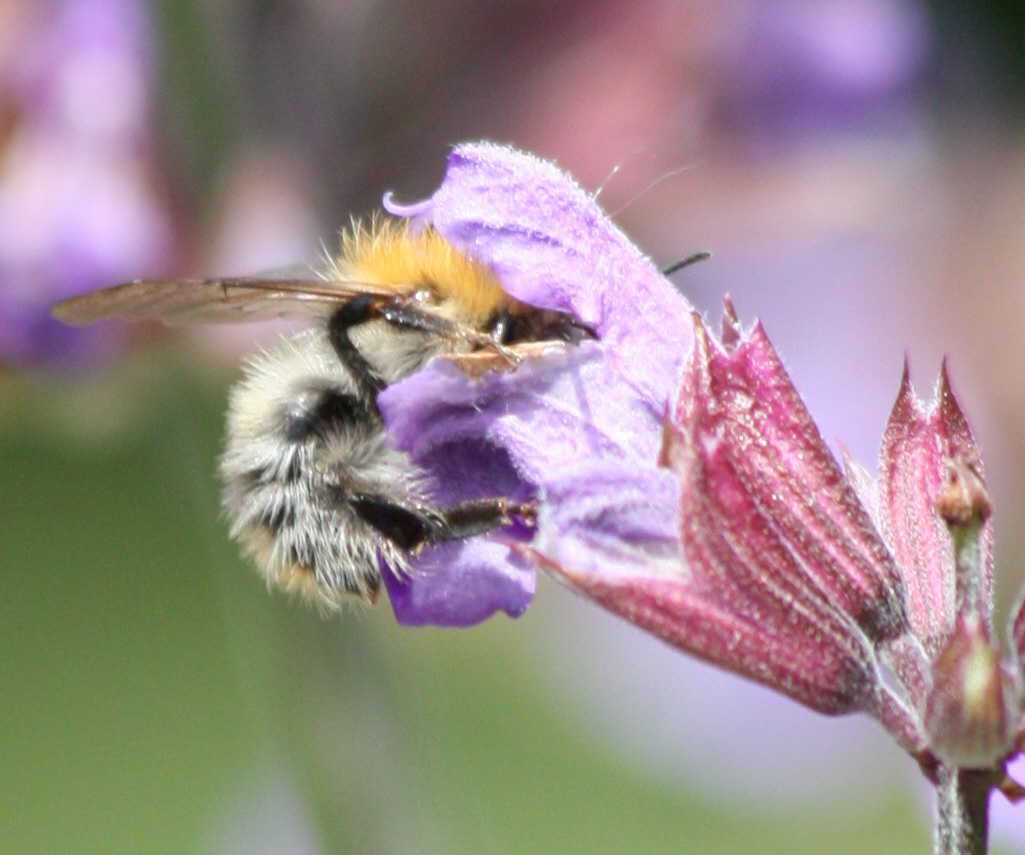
{"points": [[694, 258]]}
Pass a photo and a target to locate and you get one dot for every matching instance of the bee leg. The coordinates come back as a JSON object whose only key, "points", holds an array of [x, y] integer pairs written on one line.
{"points": [[479, 516], [408, 527], [411, 527], [402, 313], [399, 313], [352, 313]]}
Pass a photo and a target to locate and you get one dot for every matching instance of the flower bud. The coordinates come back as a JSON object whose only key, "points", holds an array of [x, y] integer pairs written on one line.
{"points": [[967, 716]]}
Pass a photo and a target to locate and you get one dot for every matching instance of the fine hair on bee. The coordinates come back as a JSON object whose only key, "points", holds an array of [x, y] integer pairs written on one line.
{"points": [[314, 491]]}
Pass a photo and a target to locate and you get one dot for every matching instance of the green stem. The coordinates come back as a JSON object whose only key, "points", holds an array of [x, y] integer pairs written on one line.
{"points": [[969, 559], [962, 812]]}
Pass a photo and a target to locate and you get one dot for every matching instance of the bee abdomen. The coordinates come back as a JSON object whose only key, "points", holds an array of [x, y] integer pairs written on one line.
{"points": [[275, 518]]}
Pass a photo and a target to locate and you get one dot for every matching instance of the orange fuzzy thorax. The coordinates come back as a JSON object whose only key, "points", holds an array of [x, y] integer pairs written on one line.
{"points": [[389, 254]]}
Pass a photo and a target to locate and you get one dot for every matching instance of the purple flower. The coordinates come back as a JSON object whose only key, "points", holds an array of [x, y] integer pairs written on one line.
{"points": [[720, 522], [576, 416], [77, 209], [844, 593]]}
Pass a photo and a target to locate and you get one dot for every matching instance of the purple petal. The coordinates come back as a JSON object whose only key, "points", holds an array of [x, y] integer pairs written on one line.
{"points": [[549, 415], [611, 518], [461, 585], [507, 435], [416, 211]]}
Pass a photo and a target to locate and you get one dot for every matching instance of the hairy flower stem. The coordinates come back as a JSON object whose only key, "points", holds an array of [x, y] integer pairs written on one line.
{"points": [[968, 557], [965, 506], [962, 811]]}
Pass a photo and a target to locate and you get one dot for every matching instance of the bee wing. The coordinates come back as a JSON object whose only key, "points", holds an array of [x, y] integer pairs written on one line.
{"points": [[195, 301]]}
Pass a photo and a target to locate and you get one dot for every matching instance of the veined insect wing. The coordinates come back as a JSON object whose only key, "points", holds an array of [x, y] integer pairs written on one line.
{"points": [[296, 290]]}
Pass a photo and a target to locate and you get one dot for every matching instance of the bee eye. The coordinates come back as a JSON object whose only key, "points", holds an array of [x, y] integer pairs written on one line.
{"points": [[565, 327], [320, 413]]}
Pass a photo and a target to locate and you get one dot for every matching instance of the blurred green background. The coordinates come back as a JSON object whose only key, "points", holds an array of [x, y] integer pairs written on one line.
{"points": [[158, 700], [857, 168]]}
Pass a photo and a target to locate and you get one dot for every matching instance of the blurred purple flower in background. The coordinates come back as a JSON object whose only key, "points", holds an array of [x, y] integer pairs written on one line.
{"points": [[78, 207], [800, 66]]}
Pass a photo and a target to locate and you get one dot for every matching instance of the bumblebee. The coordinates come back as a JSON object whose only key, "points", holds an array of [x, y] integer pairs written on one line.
{"points": [[314, 491]]}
